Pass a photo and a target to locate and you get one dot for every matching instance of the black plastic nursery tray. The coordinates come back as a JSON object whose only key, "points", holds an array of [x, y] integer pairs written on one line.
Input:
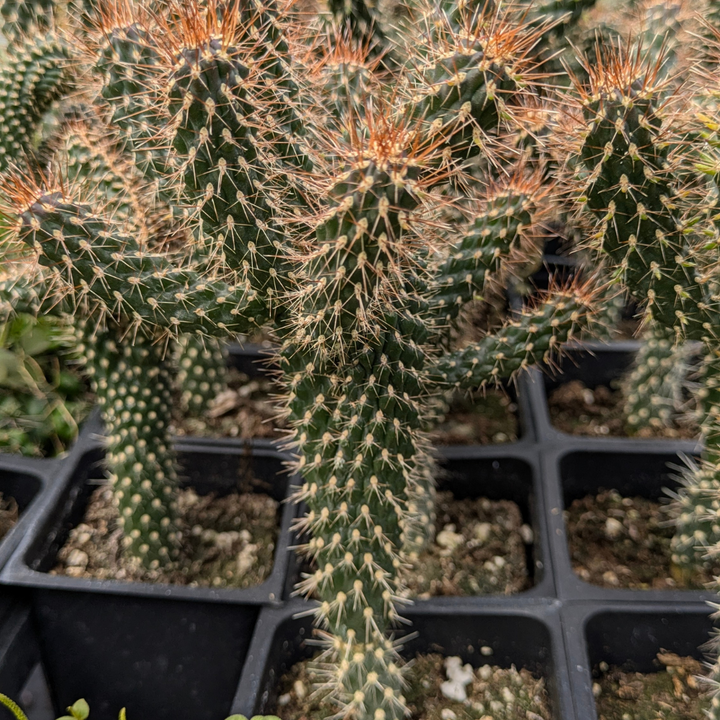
{"points": [[528, 636], [543, 472], [164, 652], [633, 621], [628, 636]]}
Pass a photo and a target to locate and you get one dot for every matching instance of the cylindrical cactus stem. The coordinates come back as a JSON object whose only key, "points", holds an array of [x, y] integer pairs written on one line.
{"points": [[33, 74], [470, 79], [217, 155], [653, 387], [696, 505], [502, 220], [631, 190], [127, 61], [525, 340], [106, 274], [354, 365], [201, 374], [132, 383], [22, 16]]}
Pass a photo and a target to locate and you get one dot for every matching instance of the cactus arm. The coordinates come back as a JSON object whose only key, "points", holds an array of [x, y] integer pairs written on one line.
{"points": [[132, 383], [652, 389], [466, 88], [631, 192], [531, 338], [220, 167], [112, 277], [33, 75], [481, 251], [129, 65]]}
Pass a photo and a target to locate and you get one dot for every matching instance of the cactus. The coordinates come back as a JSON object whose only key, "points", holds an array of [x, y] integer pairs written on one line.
{"points": [[361, 305], [652, 389], [20, 17], [33, 75], [650, 246], [202, 373]]}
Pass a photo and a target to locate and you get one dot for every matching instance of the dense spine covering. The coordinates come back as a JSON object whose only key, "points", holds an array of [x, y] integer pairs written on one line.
{"points": [[20, 17], [646, 239], [355, 369], [653, 387], [471, 79], [498, 228], [217, 157], [133, 386], [359, 305], [33, 75], [630, 188]]}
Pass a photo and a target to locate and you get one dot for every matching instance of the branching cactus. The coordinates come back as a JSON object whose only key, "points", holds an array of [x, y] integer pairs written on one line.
{"points": [[360, 303]]}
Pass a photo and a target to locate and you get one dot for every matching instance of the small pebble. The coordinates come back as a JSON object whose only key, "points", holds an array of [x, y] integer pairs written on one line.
{"points": [[77, 559], [485, 672], [526, 532], [613, 528], [611, 578], [447, 714], [486, 650], [284, 700], [596, 689], [299, 689], [447, 538], [482, 531]]}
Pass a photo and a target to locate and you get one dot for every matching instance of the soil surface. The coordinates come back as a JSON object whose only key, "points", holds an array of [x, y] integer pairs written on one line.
{"points": [[671, 694], [479, 549], [249, 409], [9, 513], [226, 541], [620, 542], [478, 420], [579, 410], [494, 693]]}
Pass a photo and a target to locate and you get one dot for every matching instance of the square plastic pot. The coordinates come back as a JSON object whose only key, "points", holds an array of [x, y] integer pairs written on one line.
{"points": [[29, 481], [164, 652], [627, 636], [595, 364], [632, 471], [526, 634]]}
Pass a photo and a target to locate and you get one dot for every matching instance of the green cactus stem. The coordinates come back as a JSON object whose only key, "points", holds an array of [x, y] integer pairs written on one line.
{"points": [[653, 387], [21, 17], [133, 386], [470, 82], [33, 74], [202, 373], [629, 187], [216, 153], [500, 227]]}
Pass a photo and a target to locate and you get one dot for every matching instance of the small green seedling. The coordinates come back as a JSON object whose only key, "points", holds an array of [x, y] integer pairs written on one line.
{"points": [[78, 711]]}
